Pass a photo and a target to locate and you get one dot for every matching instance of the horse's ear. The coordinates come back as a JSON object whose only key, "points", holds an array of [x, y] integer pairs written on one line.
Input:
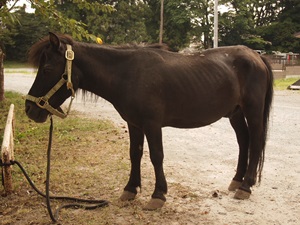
{"points": [[54, 40]]}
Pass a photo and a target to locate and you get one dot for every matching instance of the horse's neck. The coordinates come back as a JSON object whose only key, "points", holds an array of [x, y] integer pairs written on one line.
{"points": [[98, 70]]}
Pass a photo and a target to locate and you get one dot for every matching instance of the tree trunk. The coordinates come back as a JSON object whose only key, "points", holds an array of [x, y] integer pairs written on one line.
{"points": [[1, 75]]}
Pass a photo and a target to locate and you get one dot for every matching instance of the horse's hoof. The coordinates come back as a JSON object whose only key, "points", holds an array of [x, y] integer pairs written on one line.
{"points": [[241, 194], [154, 203], [127, 196], [234, 185]]}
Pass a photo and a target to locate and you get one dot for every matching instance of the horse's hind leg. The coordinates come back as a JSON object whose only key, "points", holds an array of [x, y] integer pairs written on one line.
{"points": [[254, 116], [136, 152], [240, 127]]}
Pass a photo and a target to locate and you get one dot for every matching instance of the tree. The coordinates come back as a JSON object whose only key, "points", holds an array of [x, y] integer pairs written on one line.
{"points": [[236, 24], [45, 9], [261, 24], [126, 24], [24, 34], [5, 19], [280, 32], [201, 12], [177, 22]]}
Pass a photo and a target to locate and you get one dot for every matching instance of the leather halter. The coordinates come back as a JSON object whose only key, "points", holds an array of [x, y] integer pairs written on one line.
{"points": [[43, 103]]}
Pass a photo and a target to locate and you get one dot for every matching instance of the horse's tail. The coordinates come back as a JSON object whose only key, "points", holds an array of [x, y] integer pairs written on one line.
{"points": [[267, 109]]}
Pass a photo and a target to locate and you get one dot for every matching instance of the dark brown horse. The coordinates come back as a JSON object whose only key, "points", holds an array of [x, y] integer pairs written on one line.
{"points": [[152, 88]]}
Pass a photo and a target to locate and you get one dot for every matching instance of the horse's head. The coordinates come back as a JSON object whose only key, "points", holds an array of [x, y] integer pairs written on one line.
{"points": [[54, 82]]}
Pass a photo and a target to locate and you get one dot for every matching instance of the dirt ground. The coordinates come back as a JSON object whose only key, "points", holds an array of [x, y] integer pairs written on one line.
{"points": [[203, 161]]}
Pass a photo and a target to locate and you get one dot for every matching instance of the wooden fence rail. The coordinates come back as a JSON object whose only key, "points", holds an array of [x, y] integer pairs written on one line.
{"points": [[7, 150]]}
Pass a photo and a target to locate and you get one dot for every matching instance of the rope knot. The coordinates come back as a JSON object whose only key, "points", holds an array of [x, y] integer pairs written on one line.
{"points": [[2, 164]]}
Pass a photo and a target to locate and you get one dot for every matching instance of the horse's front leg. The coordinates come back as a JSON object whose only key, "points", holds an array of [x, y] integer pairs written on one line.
{"points": [[136, 152], [154, 138]]}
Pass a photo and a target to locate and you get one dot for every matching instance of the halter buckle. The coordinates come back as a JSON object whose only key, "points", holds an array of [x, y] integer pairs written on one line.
{"points": [[42, 102], [69, 54]]}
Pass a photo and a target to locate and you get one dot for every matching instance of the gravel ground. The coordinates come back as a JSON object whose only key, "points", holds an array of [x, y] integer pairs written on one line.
{"points": [[204, 160]]}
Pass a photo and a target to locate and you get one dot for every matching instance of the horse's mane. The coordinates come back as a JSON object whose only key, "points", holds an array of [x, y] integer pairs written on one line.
{"points": [[37, 49]]}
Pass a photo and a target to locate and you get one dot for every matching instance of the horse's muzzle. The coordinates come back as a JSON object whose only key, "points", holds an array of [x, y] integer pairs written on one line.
{"points": [[35, 113]]}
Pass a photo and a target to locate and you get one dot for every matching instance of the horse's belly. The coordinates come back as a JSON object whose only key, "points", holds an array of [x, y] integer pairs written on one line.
{"points": [[191, 122], [189, 115], [188, 124]]}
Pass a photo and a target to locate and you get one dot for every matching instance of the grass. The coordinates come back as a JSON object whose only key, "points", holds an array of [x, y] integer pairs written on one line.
{"points": [[16, 65], [283, 84], [84, 150], [89, 160]]}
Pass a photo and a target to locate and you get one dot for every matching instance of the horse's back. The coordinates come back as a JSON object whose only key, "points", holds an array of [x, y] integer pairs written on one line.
{"points": [[194, 90], [189, 91]]}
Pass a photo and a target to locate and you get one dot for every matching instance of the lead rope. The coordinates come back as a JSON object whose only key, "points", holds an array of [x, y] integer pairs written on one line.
{"points": [[54, 217]]}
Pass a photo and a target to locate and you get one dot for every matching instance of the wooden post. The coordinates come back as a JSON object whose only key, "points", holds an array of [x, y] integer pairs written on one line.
{"points": [[7, 150]]}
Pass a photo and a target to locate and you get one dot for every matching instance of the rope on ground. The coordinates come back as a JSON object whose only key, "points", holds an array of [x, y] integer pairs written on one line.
{"points": [[89, 204]]}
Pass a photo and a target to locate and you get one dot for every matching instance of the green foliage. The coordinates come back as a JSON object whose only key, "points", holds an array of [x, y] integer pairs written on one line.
{"points": [[177, 24], [126, 24], [259, 24], [255, 42], [6, 20], [202, 22], [19, 30], [23, 38], [281, 36]]}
